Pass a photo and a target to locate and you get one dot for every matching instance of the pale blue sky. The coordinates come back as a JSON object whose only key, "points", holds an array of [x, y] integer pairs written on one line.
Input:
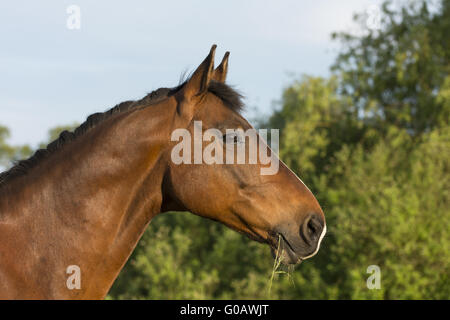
{"points": [[51, 75]]}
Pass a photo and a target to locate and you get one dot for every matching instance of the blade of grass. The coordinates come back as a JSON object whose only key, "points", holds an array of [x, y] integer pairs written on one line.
{"points": [[276, 265]]}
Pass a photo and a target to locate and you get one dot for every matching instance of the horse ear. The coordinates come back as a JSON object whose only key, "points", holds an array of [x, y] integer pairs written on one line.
{"points": [[199, 81], [220, 74]]}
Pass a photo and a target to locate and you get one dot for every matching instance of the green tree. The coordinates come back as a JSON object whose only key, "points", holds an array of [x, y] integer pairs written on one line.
{"points": [[389, 208], [394, 75], [315, 121], [10, 153]]}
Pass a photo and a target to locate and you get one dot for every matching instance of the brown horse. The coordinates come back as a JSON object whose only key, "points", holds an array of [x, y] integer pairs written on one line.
{"points": [[87, 198]]}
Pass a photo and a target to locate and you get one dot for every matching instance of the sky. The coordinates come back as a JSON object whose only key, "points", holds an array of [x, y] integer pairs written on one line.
{"points": [[52, 75]]}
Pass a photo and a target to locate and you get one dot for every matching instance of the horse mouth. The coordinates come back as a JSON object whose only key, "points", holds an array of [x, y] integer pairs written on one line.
{"points": [[282, 249], [279, 245]]}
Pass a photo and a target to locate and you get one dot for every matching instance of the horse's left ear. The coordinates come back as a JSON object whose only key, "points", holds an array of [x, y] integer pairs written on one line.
{"points": [[197, 85], [199, 81], [220, 74]]}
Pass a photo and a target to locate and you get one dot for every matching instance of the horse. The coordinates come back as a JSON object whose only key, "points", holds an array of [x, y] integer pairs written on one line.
{"points": [[79, 206]]}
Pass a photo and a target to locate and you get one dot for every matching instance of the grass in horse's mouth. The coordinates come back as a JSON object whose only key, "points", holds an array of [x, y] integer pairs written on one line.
{"points": [[276, 265]]}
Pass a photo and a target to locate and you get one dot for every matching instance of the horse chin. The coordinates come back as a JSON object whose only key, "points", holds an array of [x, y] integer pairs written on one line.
{"points": [[286, 256]]}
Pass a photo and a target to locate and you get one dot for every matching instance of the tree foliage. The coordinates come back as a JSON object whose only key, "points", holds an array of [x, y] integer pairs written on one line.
{"points": [[10, 153], [395, 75]]}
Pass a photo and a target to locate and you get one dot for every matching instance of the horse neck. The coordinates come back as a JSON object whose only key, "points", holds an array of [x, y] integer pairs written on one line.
{"points": [[93, 203]]}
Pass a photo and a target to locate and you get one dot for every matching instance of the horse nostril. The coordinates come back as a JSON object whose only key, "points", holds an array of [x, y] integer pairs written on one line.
{"points": [[311, 229]]}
